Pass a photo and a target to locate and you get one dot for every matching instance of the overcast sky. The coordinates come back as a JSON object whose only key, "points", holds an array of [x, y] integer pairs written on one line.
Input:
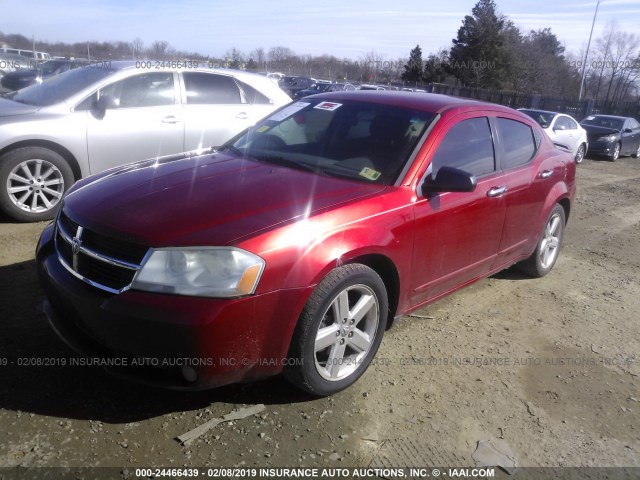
{"points": [[346, 29]]}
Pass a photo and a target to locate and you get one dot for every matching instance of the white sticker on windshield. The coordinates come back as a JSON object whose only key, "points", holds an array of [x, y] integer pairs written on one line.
{"points": [[590, 118], [369, 173], [288, 111], [331, 106]]}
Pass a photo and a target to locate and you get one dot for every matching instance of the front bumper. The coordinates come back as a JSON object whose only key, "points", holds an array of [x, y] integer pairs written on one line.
{"points": [[601, 148], [178, 342]]}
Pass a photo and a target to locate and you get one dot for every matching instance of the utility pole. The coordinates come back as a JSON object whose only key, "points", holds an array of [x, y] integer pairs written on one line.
{"points": [[586, 55]]}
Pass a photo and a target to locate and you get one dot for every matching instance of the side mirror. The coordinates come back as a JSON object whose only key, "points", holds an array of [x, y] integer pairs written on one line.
{"points": [[449, 179], [627, 130], [106, 102]]}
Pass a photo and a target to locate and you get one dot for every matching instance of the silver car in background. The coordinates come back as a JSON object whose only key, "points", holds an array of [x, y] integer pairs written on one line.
{"points": [[91, 119]]}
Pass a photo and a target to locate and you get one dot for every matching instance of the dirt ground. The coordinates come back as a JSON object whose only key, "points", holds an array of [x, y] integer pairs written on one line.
{"points": [[548, 365]]}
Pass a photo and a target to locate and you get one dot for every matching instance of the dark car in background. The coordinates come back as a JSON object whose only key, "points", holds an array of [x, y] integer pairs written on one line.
{"points": [[611, 136], [322, 87], [26, 77], [11, 62], [292, 85], [294, 246]]}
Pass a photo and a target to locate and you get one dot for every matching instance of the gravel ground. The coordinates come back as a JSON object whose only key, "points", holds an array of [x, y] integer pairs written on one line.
{"points": [[550, 366]]}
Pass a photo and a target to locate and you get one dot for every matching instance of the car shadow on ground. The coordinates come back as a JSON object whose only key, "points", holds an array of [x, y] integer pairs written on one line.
{"points": [[511, 273], [33, 380]]}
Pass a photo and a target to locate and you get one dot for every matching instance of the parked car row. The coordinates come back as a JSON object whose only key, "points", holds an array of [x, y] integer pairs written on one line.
{"points": [[313, 218], [605, 135], [322, 87]]}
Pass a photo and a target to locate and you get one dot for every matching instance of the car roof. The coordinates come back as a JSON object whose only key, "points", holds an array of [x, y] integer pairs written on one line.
{"points": [[541, 111], [613, 117], [428, 102]]}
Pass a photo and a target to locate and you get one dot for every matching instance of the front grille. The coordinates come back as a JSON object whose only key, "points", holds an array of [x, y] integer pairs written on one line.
{"points": [[104, 262]]}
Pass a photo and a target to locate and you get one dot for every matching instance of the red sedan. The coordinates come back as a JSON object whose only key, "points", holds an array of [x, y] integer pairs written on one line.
{"points": [[293, 247]]}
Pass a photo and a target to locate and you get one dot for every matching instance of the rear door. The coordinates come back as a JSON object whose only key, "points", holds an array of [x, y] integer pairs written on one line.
{"points": [[216, 107], [528, 181], [457, 234]]}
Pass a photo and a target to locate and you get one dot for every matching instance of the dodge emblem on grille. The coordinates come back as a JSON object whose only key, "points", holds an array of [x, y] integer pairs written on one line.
{"points": [[76, 243]]}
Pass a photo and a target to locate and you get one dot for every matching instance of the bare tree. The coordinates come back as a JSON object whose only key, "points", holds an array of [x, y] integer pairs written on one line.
{"points": [[159, 49], [137, 47]]}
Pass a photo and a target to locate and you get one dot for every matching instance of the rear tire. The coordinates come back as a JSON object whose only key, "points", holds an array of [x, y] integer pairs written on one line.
{"points": [[339, 331], [547, 250], [32, 183]]}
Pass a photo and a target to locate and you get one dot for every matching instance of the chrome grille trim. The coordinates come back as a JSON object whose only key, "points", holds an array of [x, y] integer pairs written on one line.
{"points": [[91, 282], [99, 256], [86, 261]]}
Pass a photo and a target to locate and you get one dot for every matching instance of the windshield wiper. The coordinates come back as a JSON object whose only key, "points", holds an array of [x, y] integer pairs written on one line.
{"points": [[285, 162]]}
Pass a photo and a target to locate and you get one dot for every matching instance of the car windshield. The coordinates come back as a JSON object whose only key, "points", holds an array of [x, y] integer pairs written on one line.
{"points": [[604, 122], [60, 87], [47, 68], [321, 87], [361, 141], [544, 119]]}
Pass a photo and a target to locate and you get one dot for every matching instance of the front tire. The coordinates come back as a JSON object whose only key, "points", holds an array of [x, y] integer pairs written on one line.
{"points": [[339, 331], [32, 183], [637, 154], [582, 149], [547, 250], [616, 153]]}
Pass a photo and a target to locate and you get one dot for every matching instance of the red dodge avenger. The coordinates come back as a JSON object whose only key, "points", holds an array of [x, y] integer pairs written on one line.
{"points": [[293, 247]]}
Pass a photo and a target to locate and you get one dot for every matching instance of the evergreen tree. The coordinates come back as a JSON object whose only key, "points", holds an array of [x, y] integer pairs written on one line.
{"points": [[413, 68], [480, 55]]}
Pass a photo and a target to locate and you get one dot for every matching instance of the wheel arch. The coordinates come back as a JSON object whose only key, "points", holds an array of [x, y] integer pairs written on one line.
{"points": [[59, 149], [386, 269], [565, 203]]}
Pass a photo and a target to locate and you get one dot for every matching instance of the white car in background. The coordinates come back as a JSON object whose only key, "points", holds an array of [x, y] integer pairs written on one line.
{"points": [[88, 120], [562, 129]]}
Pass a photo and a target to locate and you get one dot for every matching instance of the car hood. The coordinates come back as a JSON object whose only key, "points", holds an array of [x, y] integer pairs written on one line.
{"points": [[203, 200], [9, 108], [592, 129]]}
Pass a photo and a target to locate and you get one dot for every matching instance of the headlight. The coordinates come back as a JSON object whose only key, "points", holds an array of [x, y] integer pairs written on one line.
{"points": [[200, 271], [608, 138]]}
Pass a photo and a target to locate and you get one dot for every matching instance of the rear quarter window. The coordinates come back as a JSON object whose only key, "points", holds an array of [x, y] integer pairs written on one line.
{"points": [[518, 142]]}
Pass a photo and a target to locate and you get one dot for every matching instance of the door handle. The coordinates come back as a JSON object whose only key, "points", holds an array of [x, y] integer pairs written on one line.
{"points": [[242, 115], [170, 119], [546, 174], [496, 191]]}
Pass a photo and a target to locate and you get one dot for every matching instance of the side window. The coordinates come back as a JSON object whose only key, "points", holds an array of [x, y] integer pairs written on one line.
{"points": [[145, 90], [562, 123], [467, 146], [210, 88], [518, 142], [571, 124], [252, 95]]}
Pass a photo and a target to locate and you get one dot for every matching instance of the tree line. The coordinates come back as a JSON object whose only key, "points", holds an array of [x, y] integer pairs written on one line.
{"points": [[488, 52]]}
